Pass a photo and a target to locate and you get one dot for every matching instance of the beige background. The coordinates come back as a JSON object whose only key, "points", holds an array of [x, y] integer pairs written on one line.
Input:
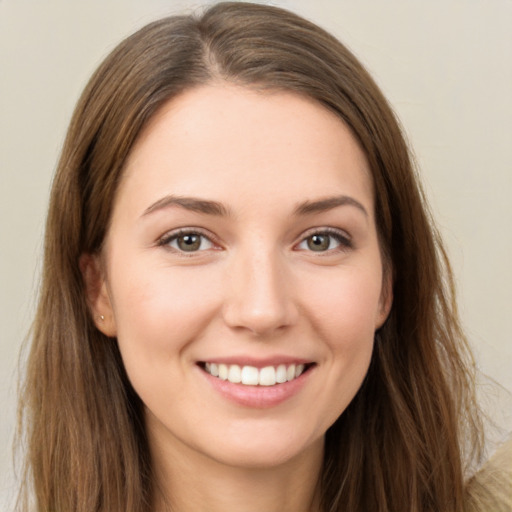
{"points": [[446, 65]]}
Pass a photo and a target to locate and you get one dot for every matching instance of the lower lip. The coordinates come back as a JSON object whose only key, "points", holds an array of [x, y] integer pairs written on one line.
{"points": [[257, 397]]}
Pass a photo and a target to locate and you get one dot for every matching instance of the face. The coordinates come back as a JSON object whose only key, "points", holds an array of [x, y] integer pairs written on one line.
{"points": [[242, 274]]}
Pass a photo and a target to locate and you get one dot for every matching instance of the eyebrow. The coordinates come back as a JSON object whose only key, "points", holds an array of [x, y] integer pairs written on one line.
{"points": [[328, 203], [189, 203], [209, 207]]}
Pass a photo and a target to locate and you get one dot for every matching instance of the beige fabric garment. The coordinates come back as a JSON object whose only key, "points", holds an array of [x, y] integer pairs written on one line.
{"points": [[490, 489]]}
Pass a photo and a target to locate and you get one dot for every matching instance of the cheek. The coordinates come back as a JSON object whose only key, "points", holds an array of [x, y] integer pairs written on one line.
{"points": [[345, 307], [159, 310], [343, 312], [159, 313]]}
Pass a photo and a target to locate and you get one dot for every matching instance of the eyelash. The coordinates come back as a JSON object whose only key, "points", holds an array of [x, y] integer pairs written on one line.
{"points": [[342, 238], [339, 236], [168, 238]]}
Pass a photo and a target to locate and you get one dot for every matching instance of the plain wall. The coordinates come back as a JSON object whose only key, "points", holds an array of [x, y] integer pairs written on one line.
{"points": [[446, 66]]}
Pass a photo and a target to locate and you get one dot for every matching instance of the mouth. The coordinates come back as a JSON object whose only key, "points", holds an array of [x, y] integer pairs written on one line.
{"points": [[252, 376]]}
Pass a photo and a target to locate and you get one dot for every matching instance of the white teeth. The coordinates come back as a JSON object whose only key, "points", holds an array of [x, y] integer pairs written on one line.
{"points": [[267, 376], [223, 372], [252, 376], [281, 374], [214, 369], [235, 374]]}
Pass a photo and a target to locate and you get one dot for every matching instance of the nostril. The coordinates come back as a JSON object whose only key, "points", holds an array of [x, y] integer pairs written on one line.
{"points": [[259, 299], [258, 321]]}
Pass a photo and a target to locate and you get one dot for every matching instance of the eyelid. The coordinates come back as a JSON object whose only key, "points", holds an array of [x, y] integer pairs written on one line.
{"points": [[166, 238], [344, 239]]}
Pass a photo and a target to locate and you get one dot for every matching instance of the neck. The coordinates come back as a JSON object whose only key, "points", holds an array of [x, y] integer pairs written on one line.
{"points": [[190, 482]]}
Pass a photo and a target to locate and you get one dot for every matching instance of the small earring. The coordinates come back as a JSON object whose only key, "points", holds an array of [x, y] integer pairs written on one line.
{"points": [[102, 317]]}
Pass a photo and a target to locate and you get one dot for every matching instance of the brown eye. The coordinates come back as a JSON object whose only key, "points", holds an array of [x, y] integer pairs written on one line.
{"points": [[187, 242], [326, 241], [319, 242]]}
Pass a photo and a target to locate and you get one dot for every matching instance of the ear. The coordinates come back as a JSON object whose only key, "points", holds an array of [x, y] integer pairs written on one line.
{"points": [[97, 294], [386, 298]]}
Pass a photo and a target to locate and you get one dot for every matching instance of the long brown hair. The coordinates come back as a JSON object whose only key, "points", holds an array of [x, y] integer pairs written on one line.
{"points": [[404, 441]]}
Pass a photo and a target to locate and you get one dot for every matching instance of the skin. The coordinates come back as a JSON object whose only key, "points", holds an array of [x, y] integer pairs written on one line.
{"points": [[256, 287]]}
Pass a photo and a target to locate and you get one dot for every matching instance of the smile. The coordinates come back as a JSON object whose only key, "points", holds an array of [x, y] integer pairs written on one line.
{"points": [[252, 376]]}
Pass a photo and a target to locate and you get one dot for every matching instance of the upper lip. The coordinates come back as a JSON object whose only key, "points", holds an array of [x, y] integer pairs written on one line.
{"points": [[257, 362]]}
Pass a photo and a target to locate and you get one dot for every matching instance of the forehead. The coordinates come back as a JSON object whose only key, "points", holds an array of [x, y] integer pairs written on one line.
{"points": [[222, 141]]}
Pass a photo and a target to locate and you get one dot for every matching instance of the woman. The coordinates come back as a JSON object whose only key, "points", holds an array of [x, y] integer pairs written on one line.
{"points": [[244, 303]]}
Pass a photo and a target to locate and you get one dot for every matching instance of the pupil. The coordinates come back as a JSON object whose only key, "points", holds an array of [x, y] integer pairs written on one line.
{"points": [[318, 243], [189, 242]]}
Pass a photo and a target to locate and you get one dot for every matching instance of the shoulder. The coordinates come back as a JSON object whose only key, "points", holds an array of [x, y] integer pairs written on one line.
{"points": [[490, 489]]}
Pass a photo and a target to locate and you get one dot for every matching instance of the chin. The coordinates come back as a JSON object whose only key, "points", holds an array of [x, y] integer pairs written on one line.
{"points": [[264, 451]]}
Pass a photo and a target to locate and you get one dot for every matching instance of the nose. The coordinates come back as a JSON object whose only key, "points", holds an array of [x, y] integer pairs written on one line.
{"points": [[260, 298]]}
